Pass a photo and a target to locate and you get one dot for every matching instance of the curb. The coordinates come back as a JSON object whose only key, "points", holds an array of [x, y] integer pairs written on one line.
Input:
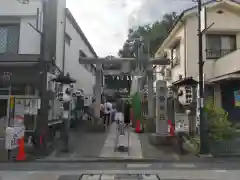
{"points": [[116, 160], [237, 155]]}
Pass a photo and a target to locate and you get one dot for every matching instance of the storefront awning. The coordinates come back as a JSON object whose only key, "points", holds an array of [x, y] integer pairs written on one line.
{"points": [[227, 77]]}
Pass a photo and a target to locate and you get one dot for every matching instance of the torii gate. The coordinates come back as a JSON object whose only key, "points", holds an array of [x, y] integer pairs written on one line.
{"points": [[124, 61]]}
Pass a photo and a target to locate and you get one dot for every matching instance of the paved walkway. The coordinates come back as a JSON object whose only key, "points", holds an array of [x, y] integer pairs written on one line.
{"points": [[82, 144], [135, 150]]}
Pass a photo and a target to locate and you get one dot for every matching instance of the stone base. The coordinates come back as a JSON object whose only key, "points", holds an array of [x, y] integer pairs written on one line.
{"points": [[150, 126], [158, 140], [122, 149]]}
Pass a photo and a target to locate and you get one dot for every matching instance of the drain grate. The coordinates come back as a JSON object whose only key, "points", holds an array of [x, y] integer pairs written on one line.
{"points": [[128, 177], [119, 177]]}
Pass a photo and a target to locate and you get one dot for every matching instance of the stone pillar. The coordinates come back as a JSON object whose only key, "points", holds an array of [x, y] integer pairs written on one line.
{"points": [[161, 108], [150, 92], [98, 89], [151, 116]]}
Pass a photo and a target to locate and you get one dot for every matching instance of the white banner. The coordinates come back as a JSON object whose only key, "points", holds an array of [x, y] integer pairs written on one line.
{"points": [[13, 134]]}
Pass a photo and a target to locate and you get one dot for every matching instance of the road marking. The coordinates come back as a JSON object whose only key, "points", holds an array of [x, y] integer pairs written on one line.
{"points": [[138, 165], [52, 155], [221, 171], [176, 156], [90, 177], [150, 177], [108, 177], [183, 165], [73, 154]]}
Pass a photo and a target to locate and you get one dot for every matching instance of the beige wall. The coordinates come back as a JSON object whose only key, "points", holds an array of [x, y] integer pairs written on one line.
{"points": [[212, 68], [227, 64], [179, 69]]}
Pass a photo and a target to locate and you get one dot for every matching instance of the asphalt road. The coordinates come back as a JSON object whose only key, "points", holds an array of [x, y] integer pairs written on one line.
{"points": [[55, 166], [218, 170]]}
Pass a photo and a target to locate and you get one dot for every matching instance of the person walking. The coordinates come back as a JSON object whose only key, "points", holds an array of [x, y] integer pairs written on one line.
{"points": [[107, 112], [127, 108], [119, 119]]}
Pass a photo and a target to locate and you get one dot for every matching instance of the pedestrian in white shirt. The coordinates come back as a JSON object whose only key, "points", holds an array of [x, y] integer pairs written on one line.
{"points": [[107, 112]]}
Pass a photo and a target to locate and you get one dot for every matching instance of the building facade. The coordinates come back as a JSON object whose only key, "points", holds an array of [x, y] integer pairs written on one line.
{"points": [[20, 51], [221, 43], [76, 44]]}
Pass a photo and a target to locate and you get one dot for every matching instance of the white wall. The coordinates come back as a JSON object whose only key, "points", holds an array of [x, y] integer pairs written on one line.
{"points": [[85, 80], [29, 40], [11, 11]]}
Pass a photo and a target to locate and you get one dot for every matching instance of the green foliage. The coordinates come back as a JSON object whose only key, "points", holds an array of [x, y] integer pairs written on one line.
{"points": [[152, 34], [219, 127], [195, 141]]}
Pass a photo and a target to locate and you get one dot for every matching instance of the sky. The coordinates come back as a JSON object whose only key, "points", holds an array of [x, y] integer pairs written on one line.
{"points": [[106, 22]]}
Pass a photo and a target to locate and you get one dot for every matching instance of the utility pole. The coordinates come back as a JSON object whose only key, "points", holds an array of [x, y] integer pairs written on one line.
{"points": [[204, 150], [42, 122]]}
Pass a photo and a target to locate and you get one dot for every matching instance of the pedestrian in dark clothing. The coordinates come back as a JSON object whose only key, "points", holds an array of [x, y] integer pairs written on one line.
{"points": [[180, 142], [127, 113]]}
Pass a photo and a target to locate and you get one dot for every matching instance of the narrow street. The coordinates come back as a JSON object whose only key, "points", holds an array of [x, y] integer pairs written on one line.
{"points": [[85, 144], [82, 144]]}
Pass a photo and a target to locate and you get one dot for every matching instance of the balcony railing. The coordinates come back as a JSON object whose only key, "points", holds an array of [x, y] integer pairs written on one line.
{"points": [[217, 53]]}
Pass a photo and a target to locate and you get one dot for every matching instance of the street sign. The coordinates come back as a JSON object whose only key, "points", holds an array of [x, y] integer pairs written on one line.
{"points": [[161, 108]]}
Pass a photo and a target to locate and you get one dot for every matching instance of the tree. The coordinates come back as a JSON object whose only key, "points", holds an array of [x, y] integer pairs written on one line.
{"points": [[152, 34]]}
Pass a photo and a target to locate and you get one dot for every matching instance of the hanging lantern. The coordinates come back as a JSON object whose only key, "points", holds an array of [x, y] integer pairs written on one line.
{"points": [[117, 77], [127, 78]]}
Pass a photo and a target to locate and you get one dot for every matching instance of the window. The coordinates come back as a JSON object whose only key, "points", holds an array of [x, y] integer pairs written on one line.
{"points": [[9, 38], [67, 39], [93, 70], [175, 55], [82, 54], [219, 45]]}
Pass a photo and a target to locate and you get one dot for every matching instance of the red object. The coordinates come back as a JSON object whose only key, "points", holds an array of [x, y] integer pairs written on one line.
{"points": [[138, 126], [171, 131], [40, 140], [21, 156]]}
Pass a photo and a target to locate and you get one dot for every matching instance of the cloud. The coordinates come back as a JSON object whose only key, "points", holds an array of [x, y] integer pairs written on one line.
{"points": [[106, 22], [152, 10]]}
